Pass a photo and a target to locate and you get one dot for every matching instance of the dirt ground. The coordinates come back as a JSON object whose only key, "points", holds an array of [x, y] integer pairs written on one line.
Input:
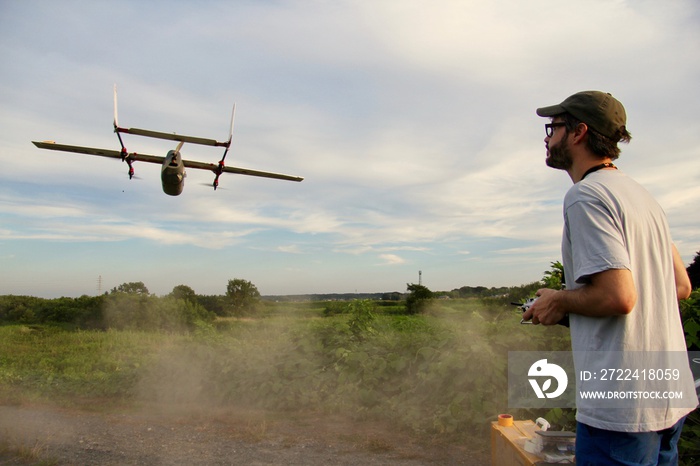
{"points": [[49, 435]]}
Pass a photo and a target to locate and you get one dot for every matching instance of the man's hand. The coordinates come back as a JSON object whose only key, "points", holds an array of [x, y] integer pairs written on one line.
{"points": [[609, 293], [545, 310]]}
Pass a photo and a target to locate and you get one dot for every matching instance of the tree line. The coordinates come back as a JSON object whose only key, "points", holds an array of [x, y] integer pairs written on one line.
{"points": [[132, 306]]}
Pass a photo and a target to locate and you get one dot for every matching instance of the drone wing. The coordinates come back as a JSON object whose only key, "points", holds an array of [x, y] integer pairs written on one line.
{"points": [[135, 157], [216, 168], [115, 154]]}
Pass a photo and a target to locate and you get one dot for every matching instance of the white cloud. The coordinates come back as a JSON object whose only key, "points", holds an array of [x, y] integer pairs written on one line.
{"points": [[412, 122], [391, 259], [290, 249]]}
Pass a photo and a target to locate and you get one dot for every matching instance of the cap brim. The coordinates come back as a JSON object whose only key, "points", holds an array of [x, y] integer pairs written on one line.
{"points": [[550, 111]]}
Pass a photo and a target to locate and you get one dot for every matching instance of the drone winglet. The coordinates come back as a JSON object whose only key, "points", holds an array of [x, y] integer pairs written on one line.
{"points": [[230, 132], [116, 120], [220, 167]]}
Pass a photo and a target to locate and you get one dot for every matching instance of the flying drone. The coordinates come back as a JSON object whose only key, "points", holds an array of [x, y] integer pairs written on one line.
{"points": [[172, 173]]}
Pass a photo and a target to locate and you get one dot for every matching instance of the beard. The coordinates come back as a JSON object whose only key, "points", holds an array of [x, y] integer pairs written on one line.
{"points": [[560, 155]]}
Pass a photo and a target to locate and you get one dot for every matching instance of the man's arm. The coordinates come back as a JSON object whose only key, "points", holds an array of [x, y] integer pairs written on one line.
{"points": [[609, 293], [683, 285]]}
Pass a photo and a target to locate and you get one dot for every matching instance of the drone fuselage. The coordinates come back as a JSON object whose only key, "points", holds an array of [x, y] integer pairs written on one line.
{"points": [[172, 174]]}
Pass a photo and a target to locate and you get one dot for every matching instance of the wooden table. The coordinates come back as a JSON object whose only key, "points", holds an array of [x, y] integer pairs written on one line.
{"points": [[507, 444]]}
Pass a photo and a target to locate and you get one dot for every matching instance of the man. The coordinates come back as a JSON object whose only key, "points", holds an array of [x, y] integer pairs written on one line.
{"points": [[623, 277]]}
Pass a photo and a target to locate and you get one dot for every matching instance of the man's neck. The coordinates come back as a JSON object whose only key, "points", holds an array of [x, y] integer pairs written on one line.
{"points": [[579, 170]]}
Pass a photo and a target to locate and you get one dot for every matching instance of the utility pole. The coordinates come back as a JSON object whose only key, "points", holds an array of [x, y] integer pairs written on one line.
{"points": [[99, 285], [420, 277]]}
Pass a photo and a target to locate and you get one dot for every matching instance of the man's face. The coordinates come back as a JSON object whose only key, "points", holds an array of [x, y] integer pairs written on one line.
{"points": [[558, 151]]}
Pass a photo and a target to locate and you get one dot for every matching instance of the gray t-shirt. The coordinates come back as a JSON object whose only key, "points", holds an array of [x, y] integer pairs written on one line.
{"points": [[612, 222]]}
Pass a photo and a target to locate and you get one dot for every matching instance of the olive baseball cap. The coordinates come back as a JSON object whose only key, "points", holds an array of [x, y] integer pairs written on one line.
{"points": [[599, 110]]}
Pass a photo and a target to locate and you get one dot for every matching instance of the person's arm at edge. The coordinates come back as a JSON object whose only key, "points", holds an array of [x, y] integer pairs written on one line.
{"points": [[609, 293], [683, 285]]}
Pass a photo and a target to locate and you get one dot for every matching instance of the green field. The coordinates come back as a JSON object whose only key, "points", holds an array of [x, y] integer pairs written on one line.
{"points": [[440, 373]]}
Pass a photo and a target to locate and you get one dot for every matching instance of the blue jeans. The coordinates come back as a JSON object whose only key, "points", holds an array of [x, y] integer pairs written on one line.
{"points": [[596, 447]]}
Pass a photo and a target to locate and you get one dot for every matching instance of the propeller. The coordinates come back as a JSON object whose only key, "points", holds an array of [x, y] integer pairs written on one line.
{"points": [[211, 185]]}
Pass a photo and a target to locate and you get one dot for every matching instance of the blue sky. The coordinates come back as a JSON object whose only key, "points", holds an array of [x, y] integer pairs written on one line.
{"points": [[413, 123]]}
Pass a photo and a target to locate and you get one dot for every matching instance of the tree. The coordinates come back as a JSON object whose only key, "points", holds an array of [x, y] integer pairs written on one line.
{"points": [[554, 278], [137, 288], [417, 299], [694, 271], [242, 296], [184, 292]]}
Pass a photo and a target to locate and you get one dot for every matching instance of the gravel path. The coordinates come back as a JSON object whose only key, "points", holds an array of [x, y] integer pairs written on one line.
{"points": [[57, 436]]}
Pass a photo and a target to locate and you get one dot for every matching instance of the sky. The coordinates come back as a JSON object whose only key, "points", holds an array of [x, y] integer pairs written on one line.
{"points": [[412, 122]]}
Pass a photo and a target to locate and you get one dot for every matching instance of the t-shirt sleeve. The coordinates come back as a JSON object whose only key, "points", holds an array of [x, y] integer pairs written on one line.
{"points": [[597, 240]]}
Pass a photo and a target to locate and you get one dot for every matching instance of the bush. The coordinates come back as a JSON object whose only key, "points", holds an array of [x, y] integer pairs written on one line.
{"points": [[333, 308], [417, 299], [124, 311], [690, 314], [361, 318], [83, 312], [689, 443]]}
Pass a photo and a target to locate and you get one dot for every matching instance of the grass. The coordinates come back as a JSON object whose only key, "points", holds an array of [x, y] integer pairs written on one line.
{"points": [[440, 374], [33, 454], [51, 362]]}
